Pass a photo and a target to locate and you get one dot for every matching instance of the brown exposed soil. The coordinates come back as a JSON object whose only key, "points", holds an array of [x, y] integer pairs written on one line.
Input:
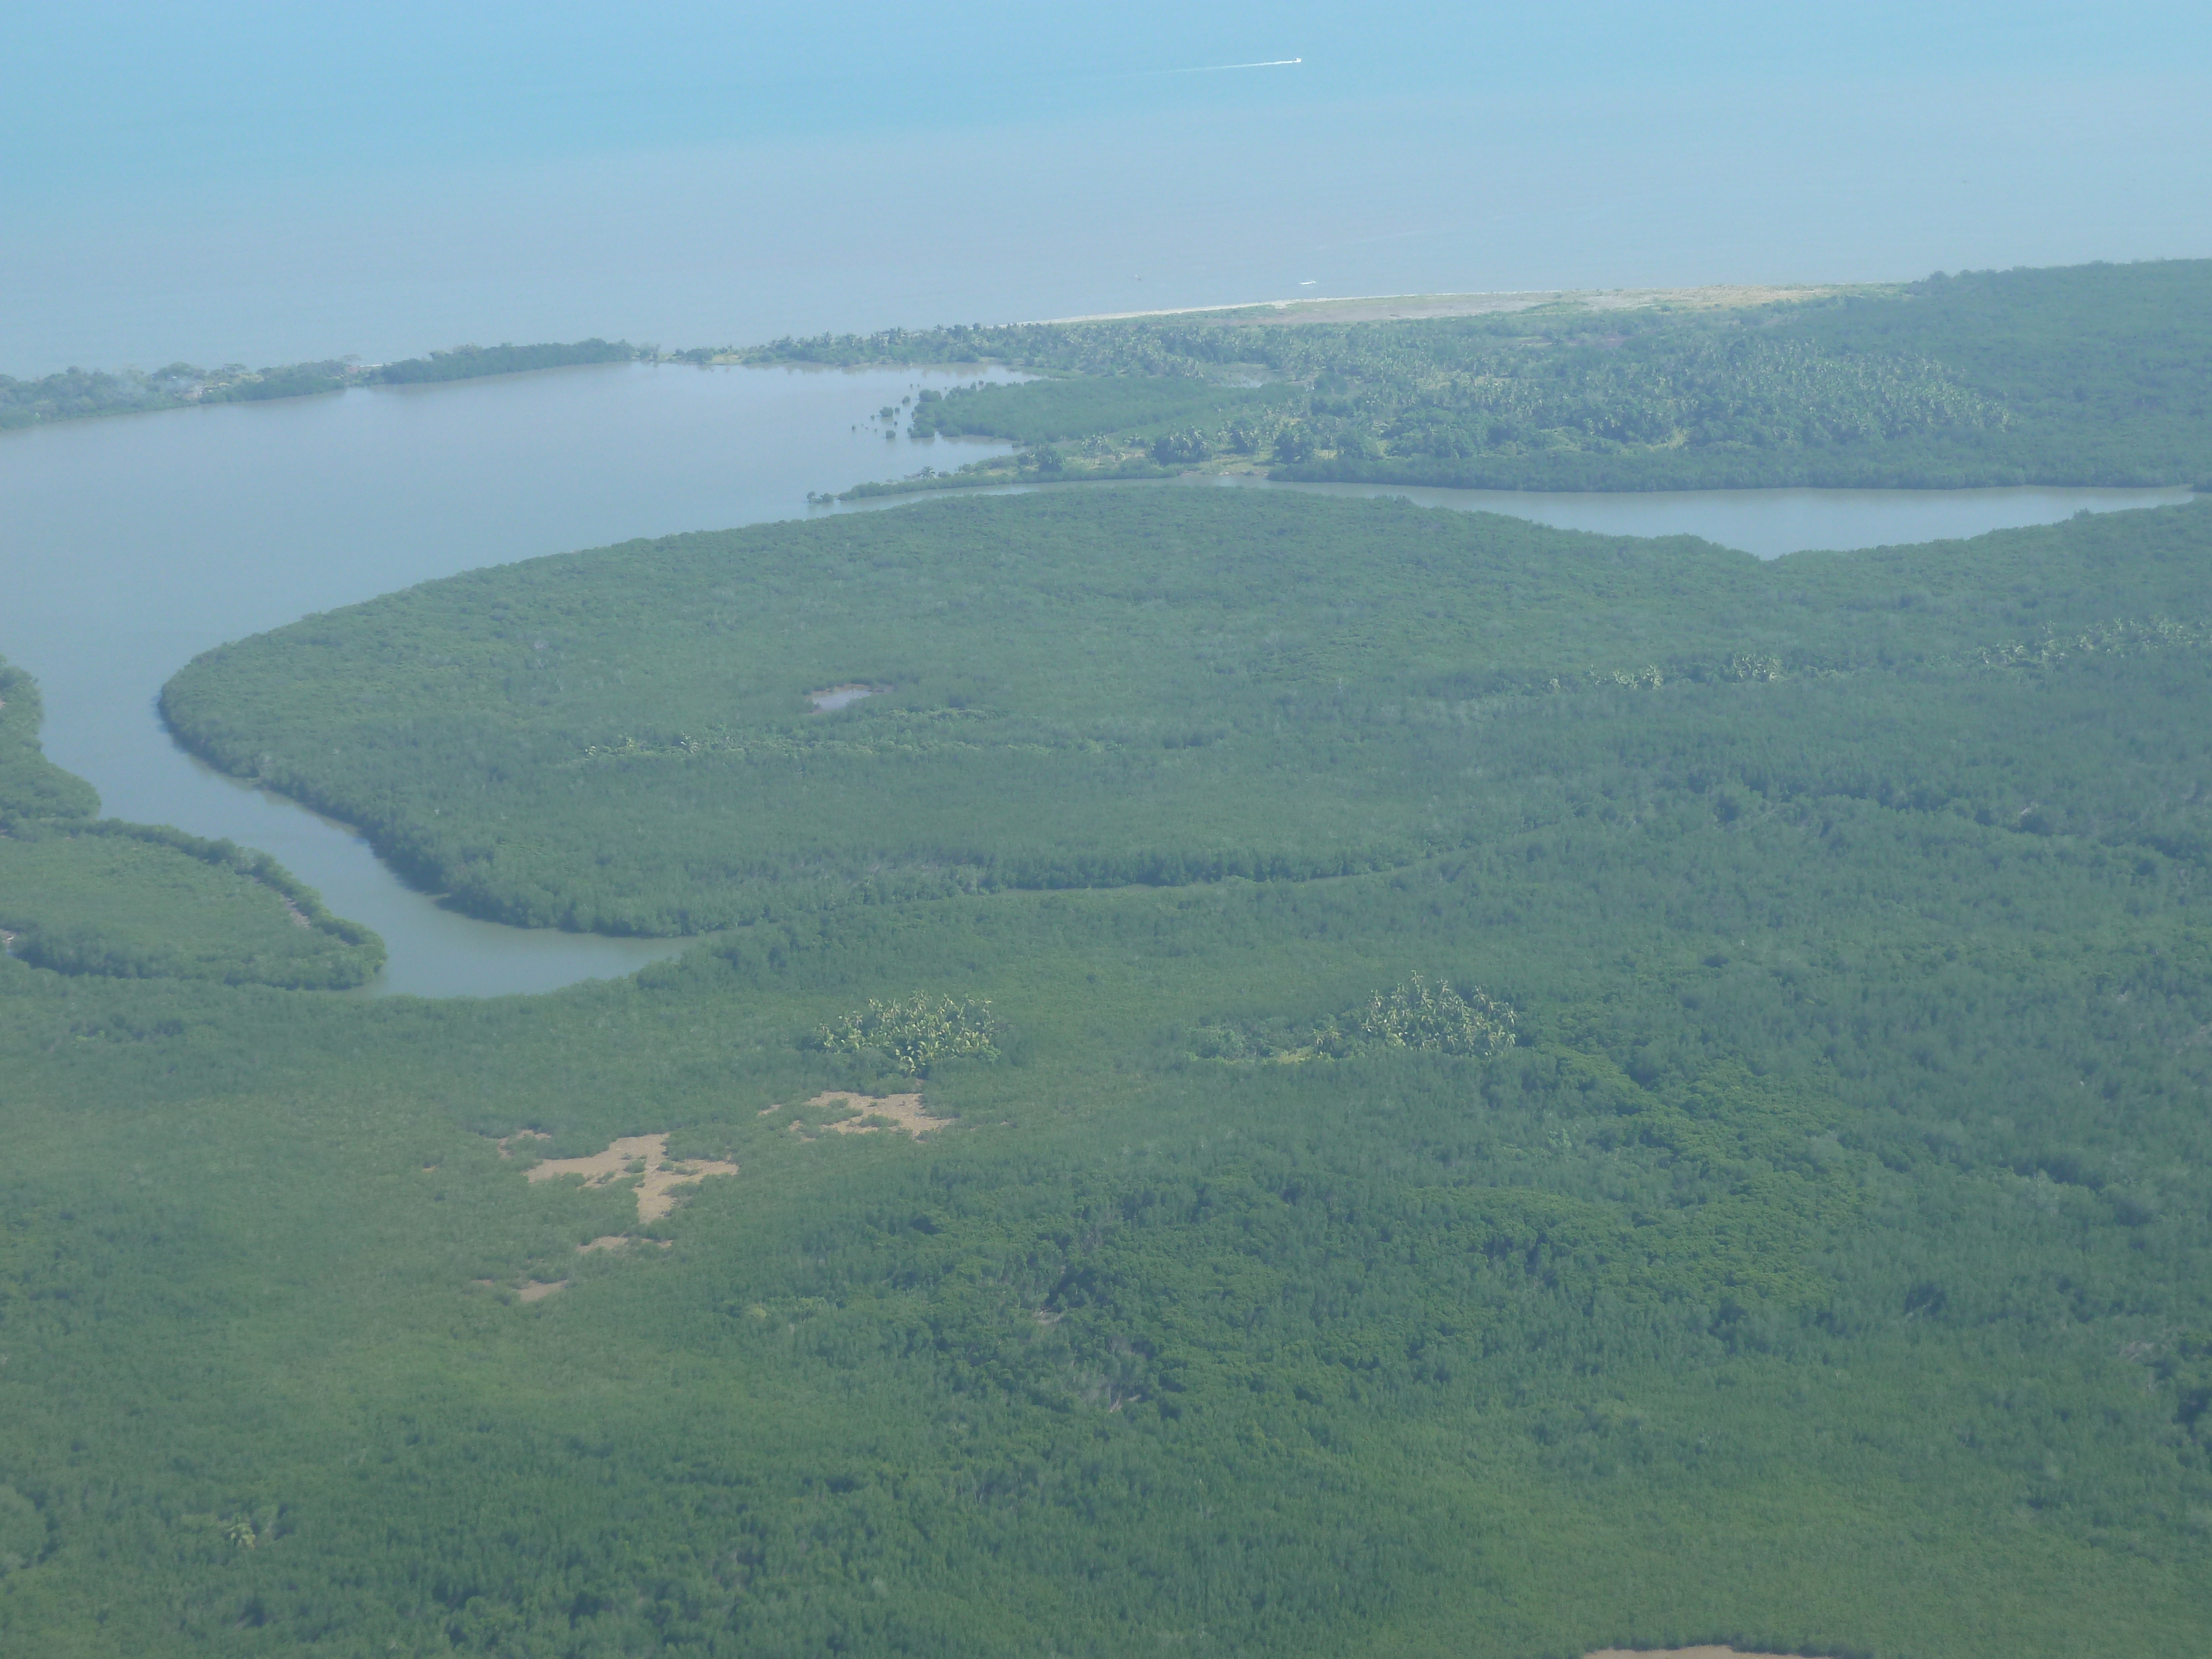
{"points": [[645, 1157], [868, 1114], [537, 1290]]}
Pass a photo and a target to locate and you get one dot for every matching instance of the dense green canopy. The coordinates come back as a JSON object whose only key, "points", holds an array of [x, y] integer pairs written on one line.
{"points": [[1158, 686], [1791, 1226], [2094, 374], [78, 393]]}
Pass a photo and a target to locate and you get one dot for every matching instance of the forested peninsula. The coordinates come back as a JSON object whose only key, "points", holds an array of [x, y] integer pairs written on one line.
{"points": [[2087, 375], [2094, 374], [1349, 1078], [77, 393], [1294, 689], [80, 894]]}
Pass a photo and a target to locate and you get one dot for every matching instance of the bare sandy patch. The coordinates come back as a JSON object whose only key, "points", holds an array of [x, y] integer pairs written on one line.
{"points": [[870, 1113], [1684, 1653], [644, 1157], [537, 1290], [1384, 308], [831, 698]]}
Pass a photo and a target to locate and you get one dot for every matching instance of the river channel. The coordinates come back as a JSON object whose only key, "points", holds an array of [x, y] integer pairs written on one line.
{"points": [[129, 545]]}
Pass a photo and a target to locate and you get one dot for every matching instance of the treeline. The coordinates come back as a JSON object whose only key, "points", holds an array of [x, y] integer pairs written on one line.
{"points": [[2089, 375], [32, 787], [76, 393], [468, 362], [1058, 410]]}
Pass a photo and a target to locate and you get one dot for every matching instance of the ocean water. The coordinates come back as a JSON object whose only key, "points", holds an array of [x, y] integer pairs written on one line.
{"points": [[238, 181]]}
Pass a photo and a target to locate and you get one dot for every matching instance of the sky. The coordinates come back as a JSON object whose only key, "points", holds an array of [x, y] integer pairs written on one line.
{"points": [[266, 183]]}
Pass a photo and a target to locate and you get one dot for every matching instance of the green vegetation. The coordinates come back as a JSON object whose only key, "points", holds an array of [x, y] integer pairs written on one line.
{"points": [[76, 393], [288, 381], [32, 787], [1153, 686], [1091, 427], [1436, 1019], [84, 894], [1053, 412], [124, 899], [1824, 1265], [915, 1035], [1497, 1092], [2090, 375], [469, 362]]}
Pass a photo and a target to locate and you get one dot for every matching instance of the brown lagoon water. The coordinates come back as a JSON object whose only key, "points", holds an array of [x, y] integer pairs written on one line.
{"points": [[127, 546]]}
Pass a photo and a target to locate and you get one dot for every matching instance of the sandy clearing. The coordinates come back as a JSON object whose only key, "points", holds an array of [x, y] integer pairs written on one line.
{"points": [[904, 1112], [537, 1290], [1683, 1653], [831, 698], [1378, 308], [645, 1157]]}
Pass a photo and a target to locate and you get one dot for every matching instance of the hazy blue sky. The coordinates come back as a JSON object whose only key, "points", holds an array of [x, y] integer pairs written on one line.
{"points": [[265, 182]]}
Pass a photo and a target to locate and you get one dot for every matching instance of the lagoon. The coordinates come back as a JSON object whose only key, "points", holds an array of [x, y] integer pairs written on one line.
{"points": [[129, 545]]}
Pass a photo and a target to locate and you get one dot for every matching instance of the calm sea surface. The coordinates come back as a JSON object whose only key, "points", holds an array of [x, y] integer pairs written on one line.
{"points": [[128, 546]]}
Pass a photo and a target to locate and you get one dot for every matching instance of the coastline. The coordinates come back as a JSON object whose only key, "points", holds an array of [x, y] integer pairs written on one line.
{"points": [[1386, 307]]}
